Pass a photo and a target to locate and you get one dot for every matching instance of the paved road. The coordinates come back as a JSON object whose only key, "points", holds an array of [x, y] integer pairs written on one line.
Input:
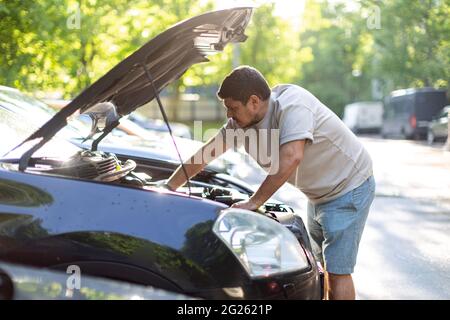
{"points": [[410, 169], [405, 249]]}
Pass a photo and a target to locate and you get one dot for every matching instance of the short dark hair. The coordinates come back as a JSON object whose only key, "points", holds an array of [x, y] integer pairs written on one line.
{"points": [[243, 82]]}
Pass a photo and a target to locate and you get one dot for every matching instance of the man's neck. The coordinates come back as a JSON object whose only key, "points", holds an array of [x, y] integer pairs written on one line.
{"points": [[262, 112]]}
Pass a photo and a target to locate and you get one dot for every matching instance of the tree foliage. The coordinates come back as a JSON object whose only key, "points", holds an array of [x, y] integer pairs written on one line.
{"points": [[412, 45], [336, 54], [40, 49], [338, 72]]}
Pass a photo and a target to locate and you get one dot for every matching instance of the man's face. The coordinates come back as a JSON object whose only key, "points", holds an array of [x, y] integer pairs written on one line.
{"points": [[244, 115]]}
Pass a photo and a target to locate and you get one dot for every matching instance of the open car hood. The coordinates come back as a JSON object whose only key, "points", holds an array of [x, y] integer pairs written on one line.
{"points": [[166, 57]]}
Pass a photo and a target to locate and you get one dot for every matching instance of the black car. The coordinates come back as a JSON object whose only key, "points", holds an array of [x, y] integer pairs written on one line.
{"points": [[61, 205]]}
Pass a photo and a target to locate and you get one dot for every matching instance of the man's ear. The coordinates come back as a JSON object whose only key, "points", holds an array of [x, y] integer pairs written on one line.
{"points": [[254, 101]]}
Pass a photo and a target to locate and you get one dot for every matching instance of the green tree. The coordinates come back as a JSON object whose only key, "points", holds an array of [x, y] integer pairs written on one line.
{"points": [[27, 30], [273, 47], [39, 49], [336, 55], [412, 46], [338, 72]]}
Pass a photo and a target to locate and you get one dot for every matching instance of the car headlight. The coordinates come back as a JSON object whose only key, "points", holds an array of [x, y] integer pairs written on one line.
{"points": [[263, 246]]}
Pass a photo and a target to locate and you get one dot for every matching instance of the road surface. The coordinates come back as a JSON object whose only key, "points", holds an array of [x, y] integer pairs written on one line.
{"points": [[405, 249]]}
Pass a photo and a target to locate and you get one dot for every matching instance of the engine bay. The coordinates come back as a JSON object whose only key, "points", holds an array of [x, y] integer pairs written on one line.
{"points": [[106, 167]]}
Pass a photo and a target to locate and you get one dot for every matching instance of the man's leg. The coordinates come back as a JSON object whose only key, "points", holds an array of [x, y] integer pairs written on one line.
{"points": [[339, 287], [316, 236], [315, 233], [343, 221]]}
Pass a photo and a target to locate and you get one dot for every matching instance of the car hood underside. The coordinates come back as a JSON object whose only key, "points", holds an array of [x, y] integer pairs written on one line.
{"points": [[137, 79]]}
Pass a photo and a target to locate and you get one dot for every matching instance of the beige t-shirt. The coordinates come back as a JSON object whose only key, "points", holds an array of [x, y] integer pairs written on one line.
{"points": [[334, 160]]}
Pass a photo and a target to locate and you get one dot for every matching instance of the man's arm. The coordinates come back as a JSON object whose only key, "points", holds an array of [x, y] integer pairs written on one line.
{"points": [[199, 160], [291, 154]]}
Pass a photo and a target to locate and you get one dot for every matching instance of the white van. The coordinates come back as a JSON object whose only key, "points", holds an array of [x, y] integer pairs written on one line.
{"points": [[364, 116]]}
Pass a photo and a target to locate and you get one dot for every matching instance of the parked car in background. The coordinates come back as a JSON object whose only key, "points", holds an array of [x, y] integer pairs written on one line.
{"points": [[407, 113], [62, 205], [178, 129], [364, 116], [438, 128]]}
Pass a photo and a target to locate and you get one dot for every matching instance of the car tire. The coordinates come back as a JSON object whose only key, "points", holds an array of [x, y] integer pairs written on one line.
{"points": [[416, 136]]}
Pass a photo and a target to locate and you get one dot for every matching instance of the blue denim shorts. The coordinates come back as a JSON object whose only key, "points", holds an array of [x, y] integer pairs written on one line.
{"points": [[335, 227]]}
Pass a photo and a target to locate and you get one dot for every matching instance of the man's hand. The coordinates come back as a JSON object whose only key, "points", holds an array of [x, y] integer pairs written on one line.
{"points": [[246, 204], [291, 154], [197, 162]]}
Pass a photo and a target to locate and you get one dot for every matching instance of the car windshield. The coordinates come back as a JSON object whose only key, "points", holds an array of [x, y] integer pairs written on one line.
{"points": [[22, 115], [24, 105], [16, 125]]}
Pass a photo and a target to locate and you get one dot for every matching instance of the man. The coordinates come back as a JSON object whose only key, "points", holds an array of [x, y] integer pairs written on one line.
{"points": [[317, 153]]}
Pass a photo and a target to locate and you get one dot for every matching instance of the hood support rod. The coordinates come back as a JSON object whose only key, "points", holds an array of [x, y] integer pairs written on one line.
{"points": [[166, 120], [106, 131]]}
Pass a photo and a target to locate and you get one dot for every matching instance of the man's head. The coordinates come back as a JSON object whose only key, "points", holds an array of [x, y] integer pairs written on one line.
{"points": [[245, 94]]}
